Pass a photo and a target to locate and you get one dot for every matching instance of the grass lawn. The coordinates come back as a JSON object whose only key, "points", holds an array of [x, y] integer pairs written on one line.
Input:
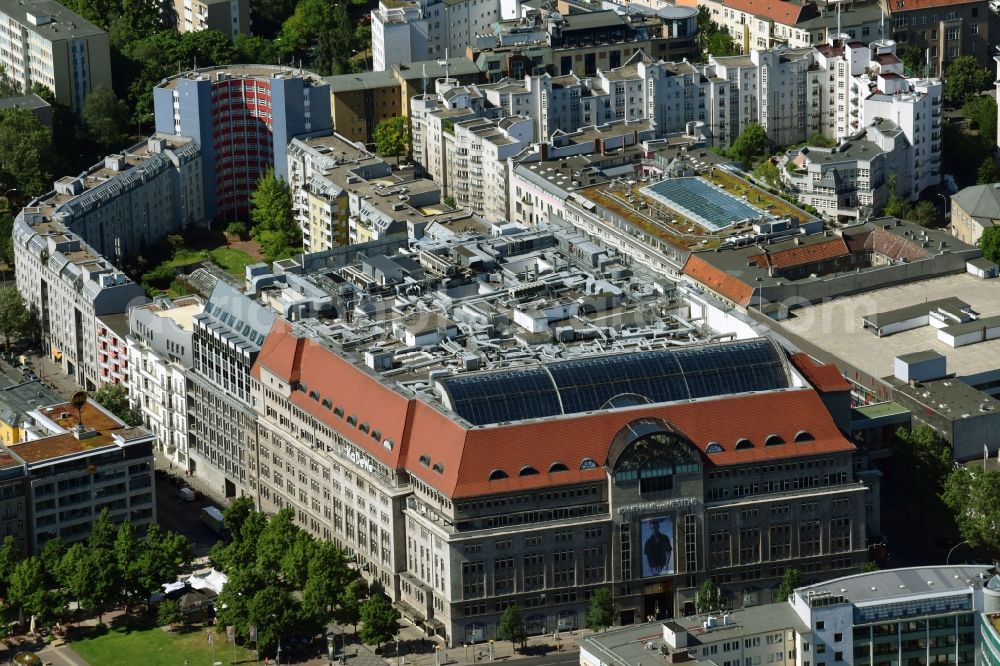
{"points": [[230, 259], [155, 647]]}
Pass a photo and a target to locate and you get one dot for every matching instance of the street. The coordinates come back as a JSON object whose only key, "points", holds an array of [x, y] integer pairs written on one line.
{"points": [[182, 517]]}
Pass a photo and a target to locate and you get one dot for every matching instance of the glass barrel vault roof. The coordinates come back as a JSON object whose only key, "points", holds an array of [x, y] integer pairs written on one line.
{"points": [[588, 384]]}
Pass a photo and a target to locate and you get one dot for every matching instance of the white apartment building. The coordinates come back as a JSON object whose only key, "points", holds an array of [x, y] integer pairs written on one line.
{"points": [[319, 171], [408, 31], [43, 42], [476, 153], [158, 182], [765, 24], [160, 352], [851, 179], [915, 106], [68, 285], [230, 17]]}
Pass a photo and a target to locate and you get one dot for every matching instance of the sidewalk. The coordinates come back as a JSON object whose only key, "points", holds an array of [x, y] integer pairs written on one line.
{"points": [[420, 650]]}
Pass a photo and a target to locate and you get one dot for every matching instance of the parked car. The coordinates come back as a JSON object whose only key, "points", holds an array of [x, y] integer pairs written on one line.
{"points": [[185, 494]]}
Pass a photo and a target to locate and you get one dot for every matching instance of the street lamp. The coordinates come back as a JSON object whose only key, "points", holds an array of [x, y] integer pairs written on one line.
{"points": [[948, 559], [945, 200], [277, 659], [331, 646]]}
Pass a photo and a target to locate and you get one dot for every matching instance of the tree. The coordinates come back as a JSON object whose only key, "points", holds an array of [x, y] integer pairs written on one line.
{"points": [[924, 214], [106, 118], [913, 60], [268, 15], [981, 111], [169, 613], [349, 608], [989, 244], [28, 593], [294, 565], [965, 78], [274, 540], [988, 172], [25, 151], [114, 398], [922, 460], [768, 172], [13, 314], [721, 44], [708, 598], [332, 54], [6, 238], [328, 582], [275, 613], [51, 556], [706, 27], [973, 495], [602, 611], [791, 580], [895, 206], [817, 140], [135, 19], [10, 555], [378, 620], [236, 229], [512, 627], [751, 141], [869, 567], [127, 561], [274, 225], [392, 137]]}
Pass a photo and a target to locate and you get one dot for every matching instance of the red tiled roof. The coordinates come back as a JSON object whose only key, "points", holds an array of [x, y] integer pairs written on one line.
{"points": [[718, 280], [345, 384], [427, 439], [825, 377], [887, 59], [805, 254], [779, 11]]}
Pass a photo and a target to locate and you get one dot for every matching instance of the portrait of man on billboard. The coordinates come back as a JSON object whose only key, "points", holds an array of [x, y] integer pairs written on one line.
{"points": [[657, 547]]}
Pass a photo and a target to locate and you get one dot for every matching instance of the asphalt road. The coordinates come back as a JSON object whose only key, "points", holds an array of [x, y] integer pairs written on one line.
{"points": [[183, 517]]}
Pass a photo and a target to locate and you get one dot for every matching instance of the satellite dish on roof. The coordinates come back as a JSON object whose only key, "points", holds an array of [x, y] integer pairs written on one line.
{"points": [[79, 399]]}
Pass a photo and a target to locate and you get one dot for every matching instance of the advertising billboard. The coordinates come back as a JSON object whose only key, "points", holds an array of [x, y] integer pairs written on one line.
{"points": [[657, 546]]}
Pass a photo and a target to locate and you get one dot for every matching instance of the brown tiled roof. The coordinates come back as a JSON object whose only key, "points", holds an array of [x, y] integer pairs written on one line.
{"points": [[825, 377], [805, 254], [718, 280], [457, 460], [887, 59]]}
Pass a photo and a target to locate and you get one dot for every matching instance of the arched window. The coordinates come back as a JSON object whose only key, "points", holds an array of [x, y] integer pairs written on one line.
{"points": [[327, 404], [804, 436], [588, 463], [352, 419], [558, 467], [714, 447], [773, 439], [527, 470], [497, 474], [376, 435], [388, 444], [439, 468], [425, 460], [743, 443], [339, 411]]}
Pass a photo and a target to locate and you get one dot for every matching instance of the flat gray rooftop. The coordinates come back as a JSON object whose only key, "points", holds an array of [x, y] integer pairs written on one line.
{"points": [[917, 357], [974, 325], [838, 324], [898, 583], [951, 305]]}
